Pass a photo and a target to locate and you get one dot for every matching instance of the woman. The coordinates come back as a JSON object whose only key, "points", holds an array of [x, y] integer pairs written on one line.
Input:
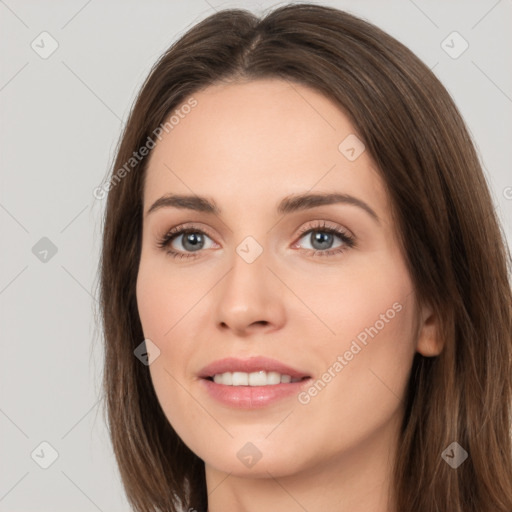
{"points": [[304, 285]]}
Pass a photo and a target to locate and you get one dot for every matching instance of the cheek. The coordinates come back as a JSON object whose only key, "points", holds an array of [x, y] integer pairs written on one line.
{"points": [[165, 296], [366, 342], [154, 301], [162, 304], [169, 301], [365, 298]]}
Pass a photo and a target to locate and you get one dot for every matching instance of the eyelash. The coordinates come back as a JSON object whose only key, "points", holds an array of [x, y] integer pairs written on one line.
{"points": [[348, 240]]}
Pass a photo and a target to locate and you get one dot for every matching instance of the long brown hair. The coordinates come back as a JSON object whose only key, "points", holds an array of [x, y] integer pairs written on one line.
{"points": [[448, 229]]}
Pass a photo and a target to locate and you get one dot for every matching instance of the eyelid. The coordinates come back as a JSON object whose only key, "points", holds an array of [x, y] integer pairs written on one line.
{"points": [[327, 225], [180, 229]]}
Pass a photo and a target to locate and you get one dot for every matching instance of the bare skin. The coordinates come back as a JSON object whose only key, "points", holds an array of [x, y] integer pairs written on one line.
{"points": [[247, 146]]}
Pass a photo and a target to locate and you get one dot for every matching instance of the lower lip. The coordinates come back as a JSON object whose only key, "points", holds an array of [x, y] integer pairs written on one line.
{"points": [[252, 397]]}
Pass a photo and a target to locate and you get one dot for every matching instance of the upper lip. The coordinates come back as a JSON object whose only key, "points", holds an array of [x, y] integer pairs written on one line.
{"points": [[253, 364]]}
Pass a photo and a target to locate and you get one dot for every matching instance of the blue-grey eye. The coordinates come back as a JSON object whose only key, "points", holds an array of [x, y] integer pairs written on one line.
{"points": [[191, 241], [321, 239]]}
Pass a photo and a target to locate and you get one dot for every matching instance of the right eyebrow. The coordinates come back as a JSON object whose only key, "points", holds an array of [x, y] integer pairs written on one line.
{"points": [[197, 203]]}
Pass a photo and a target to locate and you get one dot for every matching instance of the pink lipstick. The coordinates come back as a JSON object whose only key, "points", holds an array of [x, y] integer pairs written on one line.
{"points": [[251, 383]]}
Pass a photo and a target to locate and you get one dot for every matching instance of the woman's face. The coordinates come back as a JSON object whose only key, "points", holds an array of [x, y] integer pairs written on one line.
{"points": [[265, 275]]}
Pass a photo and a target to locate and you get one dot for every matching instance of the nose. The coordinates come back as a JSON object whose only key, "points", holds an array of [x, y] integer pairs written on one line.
{"points": [[250, 298]]}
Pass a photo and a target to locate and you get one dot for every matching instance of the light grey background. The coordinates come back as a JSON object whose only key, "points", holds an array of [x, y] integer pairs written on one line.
{"points": [[60, 121]]}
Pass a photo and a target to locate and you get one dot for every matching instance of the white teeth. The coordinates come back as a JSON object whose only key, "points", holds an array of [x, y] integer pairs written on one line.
{"points": [[240, 379], [259, 378], [273, 378]]}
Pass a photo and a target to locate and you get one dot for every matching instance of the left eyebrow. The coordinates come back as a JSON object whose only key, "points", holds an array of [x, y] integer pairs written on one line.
{"points": [[287, 205], [306, 201]]}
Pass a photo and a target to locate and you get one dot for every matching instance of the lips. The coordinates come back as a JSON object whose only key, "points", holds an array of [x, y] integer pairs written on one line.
{"points": [[251, 383], [252, 365]]}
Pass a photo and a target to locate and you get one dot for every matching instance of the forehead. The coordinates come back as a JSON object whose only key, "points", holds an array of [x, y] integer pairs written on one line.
{"points": [[255, 142]]}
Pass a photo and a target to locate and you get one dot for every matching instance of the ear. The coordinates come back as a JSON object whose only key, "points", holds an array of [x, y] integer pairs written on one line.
{"points": [[428, 342]]}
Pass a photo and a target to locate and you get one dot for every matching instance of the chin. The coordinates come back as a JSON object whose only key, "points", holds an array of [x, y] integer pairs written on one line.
{"points": [[255, 459]]}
